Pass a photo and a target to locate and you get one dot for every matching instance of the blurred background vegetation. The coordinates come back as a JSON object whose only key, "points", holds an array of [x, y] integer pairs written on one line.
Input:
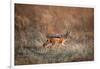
{"points": [[34, 22]]}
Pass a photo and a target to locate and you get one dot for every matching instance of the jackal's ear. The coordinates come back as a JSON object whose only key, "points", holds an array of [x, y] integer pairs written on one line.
{"points": [[67, 33]]}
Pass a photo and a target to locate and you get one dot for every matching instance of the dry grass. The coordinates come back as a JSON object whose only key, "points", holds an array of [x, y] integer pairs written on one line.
{"points": [[35, 22], [73, 50]]}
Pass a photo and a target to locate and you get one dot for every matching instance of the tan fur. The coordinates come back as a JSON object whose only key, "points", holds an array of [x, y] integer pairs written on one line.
{"points": [[53, 41]]}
